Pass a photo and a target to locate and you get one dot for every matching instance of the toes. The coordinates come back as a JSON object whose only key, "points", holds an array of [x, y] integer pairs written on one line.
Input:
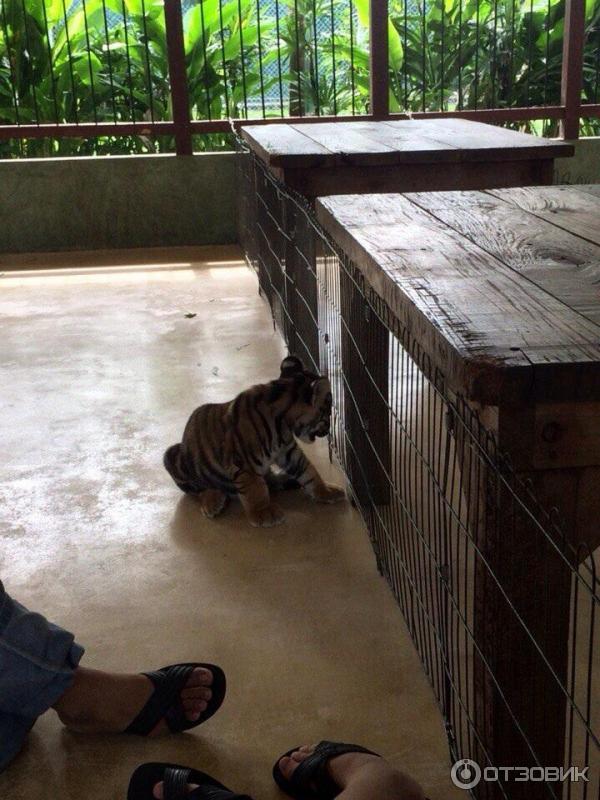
{"points": [[302, 753], [196, 693], [194, 704], [199, 677], [158, 792], [287, 766]]}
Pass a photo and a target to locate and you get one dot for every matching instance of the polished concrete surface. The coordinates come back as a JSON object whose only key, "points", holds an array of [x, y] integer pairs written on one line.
{"points": [[100, 369]]}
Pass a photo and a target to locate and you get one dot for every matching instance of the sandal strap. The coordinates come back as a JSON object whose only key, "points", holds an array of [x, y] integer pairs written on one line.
{"points": [[312, 772], [175, 783], [213, 793], [168, 684]]}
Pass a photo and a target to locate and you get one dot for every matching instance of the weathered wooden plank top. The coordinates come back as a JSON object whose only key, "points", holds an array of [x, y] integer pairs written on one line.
{"points": [[368, 143], [501, 288]]}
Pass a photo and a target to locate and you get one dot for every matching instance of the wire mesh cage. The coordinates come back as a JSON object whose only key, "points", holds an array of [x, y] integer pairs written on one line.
{"points": [[501, 605]]}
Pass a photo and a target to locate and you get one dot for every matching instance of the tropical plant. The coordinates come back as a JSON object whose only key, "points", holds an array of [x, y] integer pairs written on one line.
{"points": [[467, 54], [106, 60], [315, 42]]}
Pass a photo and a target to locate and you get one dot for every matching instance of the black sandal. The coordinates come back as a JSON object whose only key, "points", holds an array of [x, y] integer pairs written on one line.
{"points": [[176, 779], [310, 780], [165, 701]]}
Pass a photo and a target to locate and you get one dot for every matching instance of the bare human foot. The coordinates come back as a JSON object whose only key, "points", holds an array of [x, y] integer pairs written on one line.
{"points": [[159, 793], [107, 702], [360, 776]]}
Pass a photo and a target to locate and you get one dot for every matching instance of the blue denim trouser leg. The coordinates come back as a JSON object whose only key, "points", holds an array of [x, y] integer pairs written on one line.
{"points": [[37, 660]]}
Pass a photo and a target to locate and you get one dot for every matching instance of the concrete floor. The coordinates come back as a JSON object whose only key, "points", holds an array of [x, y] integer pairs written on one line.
{"points": [[101, 369]]}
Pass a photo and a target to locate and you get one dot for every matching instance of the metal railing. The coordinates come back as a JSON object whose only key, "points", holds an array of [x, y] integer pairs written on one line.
{"points": [[502, 609], [170, 70]]}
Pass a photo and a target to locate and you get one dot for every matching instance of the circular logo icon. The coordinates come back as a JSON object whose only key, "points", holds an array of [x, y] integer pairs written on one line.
{"points": [[465, 774]]}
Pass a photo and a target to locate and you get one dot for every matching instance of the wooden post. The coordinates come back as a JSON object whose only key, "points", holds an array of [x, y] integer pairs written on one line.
{"points": [[178, 77], [522, 604], [379, 58], [301, 322], [365, 347], [522, 595], [572, 68]]}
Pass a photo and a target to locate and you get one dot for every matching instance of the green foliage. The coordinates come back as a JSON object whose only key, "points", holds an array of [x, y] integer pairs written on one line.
{"points": [[106, 60], [319, 41], [468, 54], [57, 66]]}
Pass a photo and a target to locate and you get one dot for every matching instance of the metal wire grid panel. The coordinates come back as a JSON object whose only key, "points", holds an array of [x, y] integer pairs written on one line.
{"points": [[591, 57], [77, 62], [106, 60], [502, 610], [83, 61], [279, 58]]}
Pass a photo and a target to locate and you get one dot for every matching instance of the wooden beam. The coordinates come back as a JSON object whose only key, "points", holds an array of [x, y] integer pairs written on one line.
{"points": [[203, 126], [85, 129], [379, 59], [492, 115], [572, 69], [178, 77]]}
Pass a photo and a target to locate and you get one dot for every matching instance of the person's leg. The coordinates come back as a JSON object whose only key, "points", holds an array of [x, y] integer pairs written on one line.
{"points": [[360, 776], [39, 669], [13, 732], [106, 702], [37, 660]]}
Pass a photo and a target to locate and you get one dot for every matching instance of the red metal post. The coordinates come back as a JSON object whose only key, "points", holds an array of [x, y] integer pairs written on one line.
{"points": [[379, 59], [572, 68], [178, 76]]}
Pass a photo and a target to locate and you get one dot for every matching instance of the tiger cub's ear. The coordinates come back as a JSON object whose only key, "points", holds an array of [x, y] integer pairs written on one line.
{"points": [[291, 366], [321, 392]]}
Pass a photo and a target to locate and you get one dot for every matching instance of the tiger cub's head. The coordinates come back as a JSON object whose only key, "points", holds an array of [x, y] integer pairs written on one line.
{"points": [[310, 414]]}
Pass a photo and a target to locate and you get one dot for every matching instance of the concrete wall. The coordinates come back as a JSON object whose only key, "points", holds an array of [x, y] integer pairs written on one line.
{"points": [[148, 201], [583, 167], [116, 202]]}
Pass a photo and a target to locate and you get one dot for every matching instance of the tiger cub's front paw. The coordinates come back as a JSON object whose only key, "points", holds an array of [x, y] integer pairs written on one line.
{"points": [[266, 517], [329, 494]]}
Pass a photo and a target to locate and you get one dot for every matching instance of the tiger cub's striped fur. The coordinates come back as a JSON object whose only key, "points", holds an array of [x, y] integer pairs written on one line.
{"points": [[232, 448]]}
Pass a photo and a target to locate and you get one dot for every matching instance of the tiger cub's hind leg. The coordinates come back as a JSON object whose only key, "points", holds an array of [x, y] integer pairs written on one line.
{"points": [[173, 463], [212, 502]]}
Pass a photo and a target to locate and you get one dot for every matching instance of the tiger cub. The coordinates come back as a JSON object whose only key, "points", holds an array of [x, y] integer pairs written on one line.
{"points": [[231, 448]]}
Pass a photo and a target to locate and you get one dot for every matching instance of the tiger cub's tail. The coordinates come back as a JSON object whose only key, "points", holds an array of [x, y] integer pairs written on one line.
{"points": [[173, 464]]}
